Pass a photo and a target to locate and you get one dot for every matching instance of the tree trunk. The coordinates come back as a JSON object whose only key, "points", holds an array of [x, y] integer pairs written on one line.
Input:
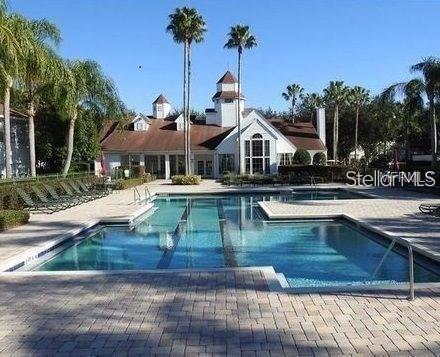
{"points": [[356, 134], [188, 130], [335, 133], [70, 136], [433, 130], [7, 116], [185, 74], [293, 110], [31, 133], [240, 166]]}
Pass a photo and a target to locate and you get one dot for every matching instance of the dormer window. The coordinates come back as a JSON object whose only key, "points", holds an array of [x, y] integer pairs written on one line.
{"points": [[229, 100], [139, 126]]}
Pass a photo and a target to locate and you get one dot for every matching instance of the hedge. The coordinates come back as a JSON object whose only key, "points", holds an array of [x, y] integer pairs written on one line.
{"points": [[12, 218], [186, 180], [303, 172]]}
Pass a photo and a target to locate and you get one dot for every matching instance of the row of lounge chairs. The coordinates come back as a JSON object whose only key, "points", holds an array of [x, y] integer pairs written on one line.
{"points": [[46, 199]]}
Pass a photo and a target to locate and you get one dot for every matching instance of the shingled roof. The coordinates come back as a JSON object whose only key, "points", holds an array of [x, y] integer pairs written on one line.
{"points": [[161, 100], [228, 94], [228, 78], [162, 136], [301, 135]]}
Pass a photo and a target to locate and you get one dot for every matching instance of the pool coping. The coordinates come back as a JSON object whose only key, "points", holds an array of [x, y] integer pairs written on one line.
{"points": [[358, 222], [28, 256], [273, 281]]}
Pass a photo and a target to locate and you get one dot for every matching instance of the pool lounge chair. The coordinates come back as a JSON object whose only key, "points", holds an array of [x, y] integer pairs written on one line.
{"points": [[430, 208], [98, 192], [80, 196], [55, 196], [77, 190], [48, 201], [35, 206]]}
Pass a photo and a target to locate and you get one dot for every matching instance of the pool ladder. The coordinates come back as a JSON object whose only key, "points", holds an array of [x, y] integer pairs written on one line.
{"points": [[411, 294], [137, 196]]}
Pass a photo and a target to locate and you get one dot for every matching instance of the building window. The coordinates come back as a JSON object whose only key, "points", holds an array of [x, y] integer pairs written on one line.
{"points": [[257, 155], [229, 100], [139, 126], [226, 163], [285, 159]]}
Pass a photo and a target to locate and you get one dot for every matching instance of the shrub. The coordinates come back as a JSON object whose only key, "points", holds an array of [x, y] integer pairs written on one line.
{"points": [[302, 157], [302, 173], [319, 159], [186, 180], [12, 218], [124, 184]]}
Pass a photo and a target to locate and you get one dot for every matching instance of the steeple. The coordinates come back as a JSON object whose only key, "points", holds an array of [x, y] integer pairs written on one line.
{"points": [[161, 107]]}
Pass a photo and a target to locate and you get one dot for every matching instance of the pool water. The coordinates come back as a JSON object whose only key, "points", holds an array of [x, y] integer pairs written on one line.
{"points": [[230, 231]]}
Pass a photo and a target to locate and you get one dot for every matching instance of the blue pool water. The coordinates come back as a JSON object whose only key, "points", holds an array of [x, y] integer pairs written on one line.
{"points": [[230, 231]]}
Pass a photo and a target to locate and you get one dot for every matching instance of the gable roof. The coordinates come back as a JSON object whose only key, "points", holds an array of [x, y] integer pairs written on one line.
{"points": [[228, 78], [301, 135], [162, 136], [161, 100]]}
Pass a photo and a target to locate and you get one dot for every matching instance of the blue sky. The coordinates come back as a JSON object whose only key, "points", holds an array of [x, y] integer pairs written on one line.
{"points": [[365, 42]]}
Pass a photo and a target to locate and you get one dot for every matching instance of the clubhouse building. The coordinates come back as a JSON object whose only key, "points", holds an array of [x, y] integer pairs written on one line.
{"points": [[156, 141]]}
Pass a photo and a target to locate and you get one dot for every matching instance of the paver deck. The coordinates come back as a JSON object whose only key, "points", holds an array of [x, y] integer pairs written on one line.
{"points": [[228, 313]]}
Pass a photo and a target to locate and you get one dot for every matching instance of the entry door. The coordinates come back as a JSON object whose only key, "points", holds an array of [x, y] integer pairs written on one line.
{"points": [[204, 168]]}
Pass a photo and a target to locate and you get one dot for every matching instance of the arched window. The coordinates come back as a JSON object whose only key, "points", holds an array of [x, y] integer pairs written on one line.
{"points": [[257, 155]]}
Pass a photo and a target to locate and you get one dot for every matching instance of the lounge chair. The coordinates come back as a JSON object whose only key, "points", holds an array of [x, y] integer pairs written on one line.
{"points": [[98, 192], [76, 189], [48, 201], [34, 206], [54, 194], [80, 196], [430, 208]]}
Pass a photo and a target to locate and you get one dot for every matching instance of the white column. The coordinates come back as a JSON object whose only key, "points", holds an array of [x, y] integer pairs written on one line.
{"points": [[215, 172], [167, 166]]}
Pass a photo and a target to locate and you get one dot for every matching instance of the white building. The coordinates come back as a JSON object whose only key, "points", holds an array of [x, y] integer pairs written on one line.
{"points": [[156, 141], [19, 144]]}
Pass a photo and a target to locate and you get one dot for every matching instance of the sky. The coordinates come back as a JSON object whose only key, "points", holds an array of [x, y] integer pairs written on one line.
{"points": [[370, 43]]}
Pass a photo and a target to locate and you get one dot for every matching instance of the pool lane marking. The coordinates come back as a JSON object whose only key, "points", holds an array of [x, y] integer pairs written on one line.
{"points": [[167, 256], [228, 250]]}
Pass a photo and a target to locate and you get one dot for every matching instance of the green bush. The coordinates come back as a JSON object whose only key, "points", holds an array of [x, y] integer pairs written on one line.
{"points": [[186, 180], [124, 184], [12, 218], [319, 159], [302, 157], [301, 173]]}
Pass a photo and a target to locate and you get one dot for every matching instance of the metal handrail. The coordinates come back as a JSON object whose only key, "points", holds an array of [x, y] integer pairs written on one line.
{"points": [[411, 273], [137, 195], [146, 190]]}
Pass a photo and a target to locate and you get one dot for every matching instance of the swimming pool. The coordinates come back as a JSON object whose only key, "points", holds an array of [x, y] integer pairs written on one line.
{"points": [[231, 231]]}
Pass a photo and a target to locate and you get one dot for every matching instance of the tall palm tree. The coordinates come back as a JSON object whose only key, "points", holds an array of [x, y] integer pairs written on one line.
{"points": [[14, 41], [336, 95], [416, 90], [187, 26], [358, 97], [311, 102], [41, 66], [292, 93], [240, 38], [85, 86]]}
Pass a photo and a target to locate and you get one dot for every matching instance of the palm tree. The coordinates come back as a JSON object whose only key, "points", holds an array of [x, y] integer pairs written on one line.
{"points": [[14, 41], [416, 90], [41, 65], [336, 95], [358, 97], [187, 26], [311, 102], [85, 86], [240, 38], [292, 93]]}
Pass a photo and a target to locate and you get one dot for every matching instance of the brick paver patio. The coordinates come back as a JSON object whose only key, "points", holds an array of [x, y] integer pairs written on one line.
{"points": [[222, 313]]}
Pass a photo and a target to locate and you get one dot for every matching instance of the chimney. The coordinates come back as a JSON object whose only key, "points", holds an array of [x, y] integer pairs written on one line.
{"points": [[320, 123]]}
